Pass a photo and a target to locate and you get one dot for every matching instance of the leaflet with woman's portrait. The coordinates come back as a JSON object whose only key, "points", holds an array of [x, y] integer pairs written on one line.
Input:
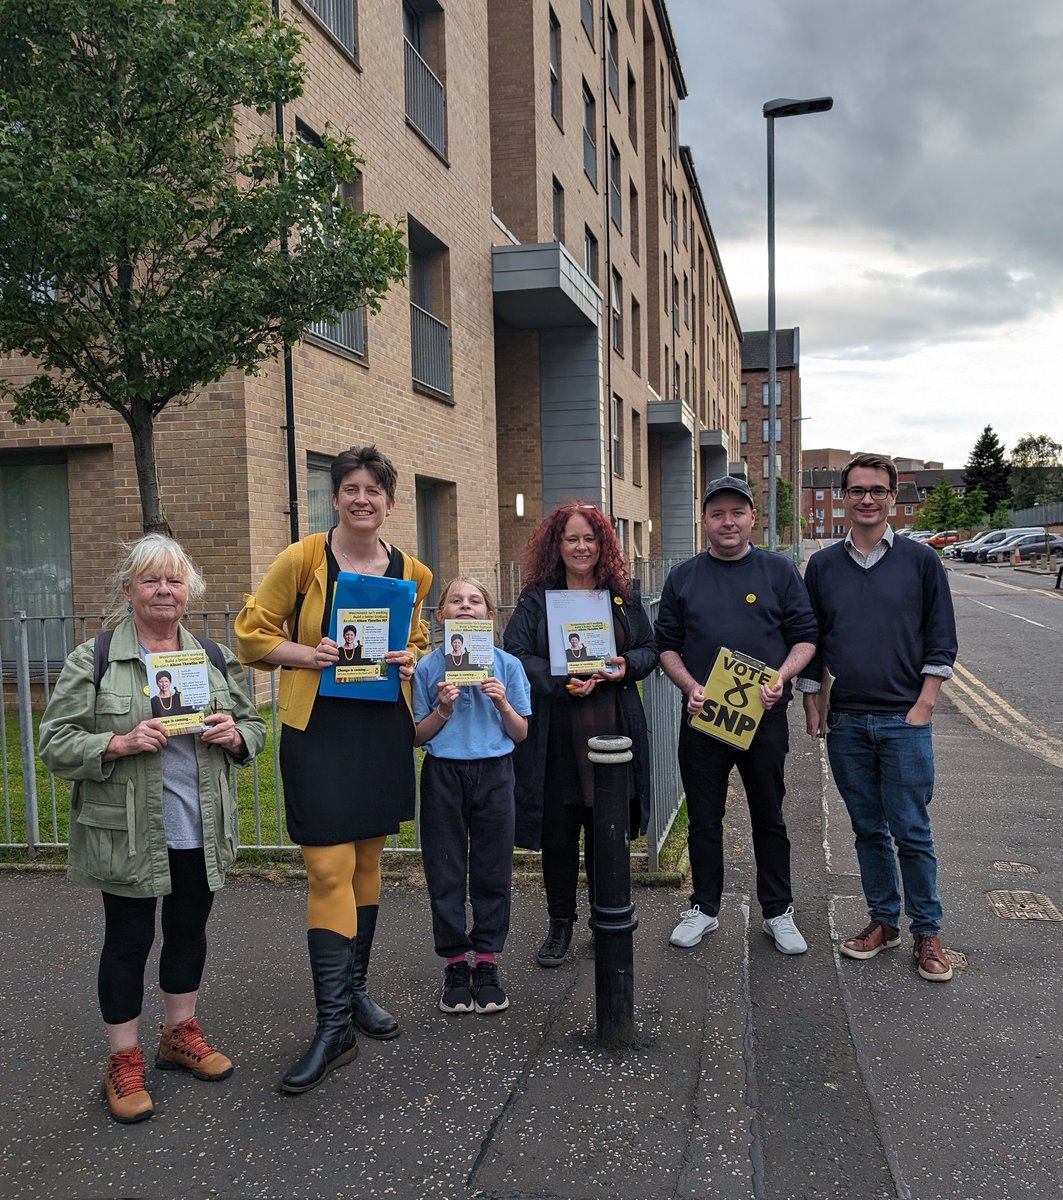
{"points": [[468, 651], [580, 631], [179, 689]]}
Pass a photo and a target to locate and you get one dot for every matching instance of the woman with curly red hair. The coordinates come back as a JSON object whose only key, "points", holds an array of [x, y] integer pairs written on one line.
{"points": [[575, 548]]}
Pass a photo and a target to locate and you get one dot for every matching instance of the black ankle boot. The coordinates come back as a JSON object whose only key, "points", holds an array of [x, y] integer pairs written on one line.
{"points": [[553, 951], [371, 1019], [334, 1042]]}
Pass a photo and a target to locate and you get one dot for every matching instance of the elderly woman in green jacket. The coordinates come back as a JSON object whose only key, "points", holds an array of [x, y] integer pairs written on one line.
{"points": [[152, 813]]}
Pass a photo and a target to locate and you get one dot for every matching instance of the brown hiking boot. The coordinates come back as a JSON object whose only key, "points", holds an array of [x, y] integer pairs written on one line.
{"points": [[127, 1095], [871, 940], [183, 1047], [930, 958]]}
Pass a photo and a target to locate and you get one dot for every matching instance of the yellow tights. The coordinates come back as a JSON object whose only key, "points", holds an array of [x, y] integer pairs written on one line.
{"points": [[342, 879]]}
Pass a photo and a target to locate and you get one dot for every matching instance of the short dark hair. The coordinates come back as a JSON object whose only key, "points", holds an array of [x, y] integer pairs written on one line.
{"points": [[160, 674], [349, 629], [875, 462], [456, 637], [365, 458]]}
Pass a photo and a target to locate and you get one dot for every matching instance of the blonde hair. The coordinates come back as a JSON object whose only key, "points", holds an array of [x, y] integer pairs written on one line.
{"points": [[152, 552], [464, 579]]}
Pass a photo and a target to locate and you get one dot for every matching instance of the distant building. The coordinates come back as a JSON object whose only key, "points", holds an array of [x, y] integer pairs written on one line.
{"points": [[754, 430]]}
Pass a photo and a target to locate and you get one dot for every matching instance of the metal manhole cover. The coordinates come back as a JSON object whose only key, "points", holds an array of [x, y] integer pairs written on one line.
{"points": [[1023, 906], [1014, 868], [957, 958]]}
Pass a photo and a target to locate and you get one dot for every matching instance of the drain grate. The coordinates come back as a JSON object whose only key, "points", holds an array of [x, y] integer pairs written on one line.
{"points": [[1023, 906], [1014, 868]]}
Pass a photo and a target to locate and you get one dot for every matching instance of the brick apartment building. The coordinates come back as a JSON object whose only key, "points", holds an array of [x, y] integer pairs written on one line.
{"points": [[821, 499], [754, 430], [566, 329]]}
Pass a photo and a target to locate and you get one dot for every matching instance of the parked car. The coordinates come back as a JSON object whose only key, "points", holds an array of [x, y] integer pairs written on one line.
{"points": [[945, 538], [994, 538], [1026, 546], [957, 548]]}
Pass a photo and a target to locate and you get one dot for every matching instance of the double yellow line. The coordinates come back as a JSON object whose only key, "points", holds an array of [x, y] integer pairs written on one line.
{"points": [[994, 715]]}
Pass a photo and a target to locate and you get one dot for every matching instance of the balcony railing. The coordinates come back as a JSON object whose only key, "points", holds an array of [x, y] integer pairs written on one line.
{"points": [[426, 99], [347, 330], [430, 345], [338, 15]]}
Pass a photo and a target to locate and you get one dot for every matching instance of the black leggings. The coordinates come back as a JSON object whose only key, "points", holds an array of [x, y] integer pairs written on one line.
{"points": [[130, 931]]}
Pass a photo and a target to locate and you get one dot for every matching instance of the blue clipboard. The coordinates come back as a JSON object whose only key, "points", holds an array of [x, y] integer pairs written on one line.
{"points": [[373, 595]]}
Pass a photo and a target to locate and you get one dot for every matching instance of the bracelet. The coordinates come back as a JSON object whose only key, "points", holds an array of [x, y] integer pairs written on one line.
{"points": [[444, 719]]}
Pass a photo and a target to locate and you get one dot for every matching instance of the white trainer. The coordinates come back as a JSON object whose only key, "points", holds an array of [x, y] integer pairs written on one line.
{"points": [[692, 927], [787, 936]]}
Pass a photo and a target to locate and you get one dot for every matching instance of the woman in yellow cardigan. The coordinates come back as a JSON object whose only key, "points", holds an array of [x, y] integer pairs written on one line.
{"points": [[347, 764]]}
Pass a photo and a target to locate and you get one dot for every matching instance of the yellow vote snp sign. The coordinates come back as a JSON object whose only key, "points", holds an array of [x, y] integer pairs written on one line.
{"points": [[732, 708]]}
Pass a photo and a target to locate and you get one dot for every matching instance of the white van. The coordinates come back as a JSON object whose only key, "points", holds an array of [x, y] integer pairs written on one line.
{"points": [[970, 553]]}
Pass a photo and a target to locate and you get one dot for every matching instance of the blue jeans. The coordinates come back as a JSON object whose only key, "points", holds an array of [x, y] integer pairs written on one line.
{"points": [[884, 769]]}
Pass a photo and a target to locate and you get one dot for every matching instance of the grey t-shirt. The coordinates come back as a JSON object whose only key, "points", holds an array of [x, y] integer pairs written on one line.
{"points": [[181, 817]]}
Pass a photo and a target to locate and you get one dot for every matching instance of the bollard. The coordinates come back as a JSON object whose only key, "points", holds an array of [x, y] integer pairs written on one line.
{"points": [[613, 914]]}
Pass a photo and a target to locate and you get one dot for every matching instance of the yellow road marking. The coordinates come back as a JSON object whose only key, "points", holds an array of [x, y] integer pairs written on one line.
{"points": [[991, 713]]}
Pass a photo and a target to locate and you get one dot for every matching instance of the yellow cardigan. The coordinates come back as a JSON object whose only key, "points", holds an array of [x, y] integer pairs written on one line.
{"points": [[264, 623]]}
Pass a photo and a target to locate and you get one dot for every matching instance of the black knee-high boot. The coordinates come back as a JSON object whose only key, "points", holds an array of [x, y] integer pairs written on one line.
{"points": [[334, 1041], [371, 1019]]}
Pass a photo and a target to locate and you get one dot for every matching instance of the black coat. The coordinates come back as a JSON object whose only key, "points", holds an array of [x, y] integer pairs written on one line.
{"points": [[526, 637]]}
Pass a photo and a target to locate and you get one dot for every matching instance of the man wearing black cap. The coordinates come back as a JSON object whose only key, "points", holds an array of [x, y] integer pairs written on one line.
{"points": [[754, 602]]}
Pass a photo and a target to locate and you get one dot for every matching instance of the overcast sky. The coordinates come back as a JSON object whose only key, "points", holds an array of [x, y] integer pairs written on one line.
{"points": [[919, 225]]}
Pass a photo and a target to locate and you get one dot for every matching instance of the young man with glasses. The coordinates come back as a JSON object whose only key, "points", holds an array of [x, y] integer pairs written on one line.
{"points": [[748, 600], [888, 636]]}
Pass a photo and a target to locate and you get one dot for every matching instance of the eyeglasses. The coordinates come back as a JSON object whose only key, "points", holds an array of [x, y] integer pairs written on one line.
{"points": [[876, 493]]}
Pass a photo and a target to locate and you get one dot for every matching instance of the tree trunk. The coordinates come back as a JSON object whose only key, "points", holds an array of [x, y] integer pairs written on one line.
{"points": [[143, 429]]}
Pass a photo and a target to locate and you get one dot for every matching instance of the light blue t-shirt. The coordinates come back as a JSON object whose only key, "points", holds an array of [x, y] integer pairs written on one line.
{"points": [[475, 730]]}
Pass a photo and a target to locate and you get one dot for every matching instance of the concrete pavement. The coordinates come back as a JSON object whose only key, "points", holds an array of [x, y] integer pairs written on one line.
{"points": [[760, 1075]]}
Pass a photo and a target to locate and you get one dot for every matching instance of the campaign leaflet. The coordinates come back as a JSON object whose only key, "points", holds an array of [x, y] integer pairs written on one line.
{"points": [[733, 708], [362, 636], [580, 631], [179, 689], [468, 651]]}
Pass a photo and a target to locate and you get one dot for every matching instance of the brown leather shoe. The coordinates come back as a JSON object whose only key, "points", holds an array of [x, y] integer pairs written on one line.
{"points": [[183, 1047], [871, 940], [931, 959], [124, 1086]]}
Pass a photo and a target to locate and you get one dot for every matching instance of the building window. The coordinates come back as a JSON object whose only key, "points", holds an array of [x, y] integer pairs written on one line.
{"points": [[555, 67], [765, 432], [590, 254], [590, 135], [320, 515], [675, 304], [346, 330], [764, 394], [764, 466], [340, 18], [636, 449], [744, 435], [677, 382], [614, 185], [636, 336], [745, 395], [909, 509], [686, 377], [559, 212], [632, 109], [633, 219], [686, 300], [429, 312], [675, 219], [819, 493], [612, 54], [35, 552], [618, 436], [664, 275], [426, 98], [616, 299], [586, 16], [673, 132], [686, 223]]}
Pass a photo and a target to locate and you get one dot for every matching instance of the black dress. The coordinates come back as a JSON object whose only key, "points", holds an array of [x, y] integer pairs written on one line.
{"points": [[349, 774]]}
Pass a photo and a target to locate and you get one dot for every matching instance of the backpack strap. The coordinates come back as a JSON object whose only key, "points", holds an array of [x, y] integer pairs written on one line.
{"points": [[101, 651], [313, 552]]}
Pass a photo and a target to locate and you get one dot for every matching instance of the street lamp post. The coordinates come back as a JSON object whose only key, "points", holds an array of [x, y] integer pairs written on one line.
{"points": [[773, 109], [795, 466]]}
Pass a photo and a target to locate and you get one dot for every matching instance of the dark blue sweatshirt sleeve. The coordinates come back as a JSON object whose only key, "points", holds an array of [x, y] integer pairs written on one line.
{"points": [[939, 618]]}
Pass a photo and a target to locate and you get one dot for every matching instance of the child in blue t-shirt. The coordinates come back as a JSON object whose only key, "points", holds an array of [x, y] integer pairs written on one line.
{"points": [[467, 808]]}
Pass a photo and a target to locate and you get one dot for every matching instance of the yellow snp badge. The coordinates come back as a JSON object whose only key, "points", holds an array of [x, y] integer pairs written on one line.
{"points": [[732, 709], [751, 598]]}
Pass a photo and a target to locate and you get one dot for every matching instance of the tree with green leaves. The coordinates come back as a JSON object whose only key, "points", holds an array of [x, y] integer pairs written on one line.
{"points": [[784, 507], [1036, 471], [151, 240], [942, 509], [988, 469], [972, 509], [1001, 517]]}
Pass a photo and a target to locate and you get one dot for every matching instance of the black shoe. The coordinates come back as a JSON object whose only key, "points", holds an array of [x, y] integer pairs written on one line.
{"points": [[552, 952], [368, 1016], [488, 995], [456, 996], [334, 1042]]}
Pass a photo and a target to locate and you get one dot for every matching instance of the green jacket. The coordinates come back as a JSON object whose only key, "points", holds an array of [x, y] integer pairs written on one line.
{"points": [[117, 840]]}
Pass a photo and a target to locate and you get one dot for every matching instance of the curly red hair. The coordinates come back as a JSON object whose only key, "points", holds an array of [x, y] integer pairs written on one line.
{"points": [[542, 556]]}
